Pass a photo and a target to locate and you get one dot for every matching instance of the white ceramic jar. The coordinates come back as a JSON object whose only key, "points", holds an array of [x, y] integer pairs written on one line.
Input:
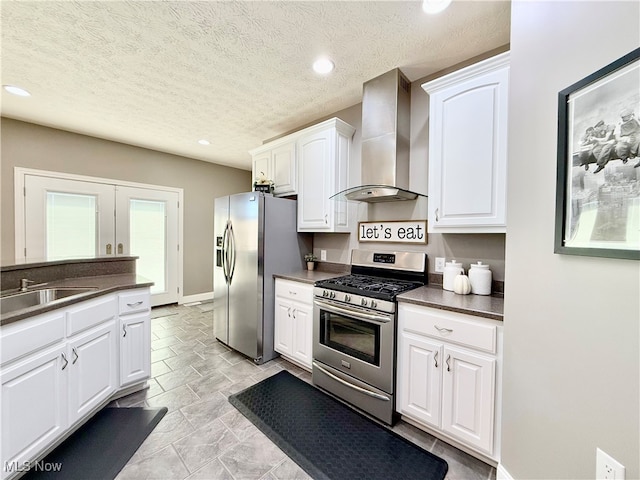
{"points": [[480, 278], [451, 270]]}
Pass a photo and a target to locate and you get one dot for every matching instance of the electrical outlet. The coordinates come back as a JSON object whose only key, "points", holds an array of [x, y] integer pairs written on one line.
{"points": [[323, 255], [439, 264], [607, 468]]}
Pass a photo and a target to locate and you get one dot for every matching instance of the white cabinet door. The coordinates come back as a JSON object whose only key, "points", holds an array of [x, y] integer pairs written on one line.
{"points": [[34, 401], [420, 382], [262, 166], [468, 397], [468, 148], [92, 369], [302, 333], [283, 328], [135, 348], [283, 161], [315, 171]]}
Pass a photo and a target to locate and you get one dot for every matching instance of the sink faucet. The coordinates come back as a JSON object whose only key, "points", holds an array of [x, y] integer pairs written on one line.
{"points": [[24, 284]]}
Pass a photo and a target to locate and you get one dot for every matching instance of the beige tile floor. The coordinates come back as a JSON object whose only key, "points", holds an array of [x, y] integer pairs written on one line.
{"points": [[203, 436]]}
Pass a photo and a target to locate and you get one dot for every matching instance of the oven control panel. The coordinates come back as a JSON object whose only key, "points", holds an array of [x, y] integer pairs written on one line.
{"points": [[384, 258], [355, 300]]}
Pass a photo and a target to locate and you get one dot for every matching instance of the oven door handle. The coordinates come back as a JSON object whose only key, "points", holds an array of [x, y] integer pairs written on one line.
{"points": [[350, 385], [352, 313]]}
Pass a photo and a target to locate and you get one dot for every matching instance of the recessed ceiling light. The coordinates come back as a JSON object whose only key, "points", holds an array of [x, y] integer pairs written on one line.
{"points": [[435, 6], [204, 142], [323, 65], [16, 90]]}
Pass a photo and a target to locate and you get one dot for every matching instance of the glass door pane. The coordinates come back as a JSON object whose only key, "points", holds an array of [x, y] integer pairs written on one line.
{"points": [[147, 227], [67, 219], [71, 227], [147, 237]]}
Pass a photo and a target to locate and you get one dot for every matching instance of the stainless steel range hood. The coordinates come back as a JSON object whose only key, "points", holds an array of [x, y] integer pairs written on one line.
{"points": [[386, 119]]}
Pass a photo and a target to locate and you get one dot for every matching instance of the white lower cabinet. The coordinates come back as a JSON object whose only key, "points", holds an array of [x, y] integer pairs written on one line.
{"points": [[447, 374], [135, 337], [293, 331], [92, 369], [34, 406], [57, 368]]}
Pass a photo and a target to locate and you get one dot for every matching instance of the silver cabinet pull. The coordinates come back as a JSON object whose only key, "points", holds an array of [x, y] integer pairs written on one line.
{"points": [[120, 249], [108, 249], [135, 304], [437, 214], [294, 313], [292, 293], [442, 329], [64, 359], [75, 353], [448, 366], [435, 358], [124, 331], [326, 220]]}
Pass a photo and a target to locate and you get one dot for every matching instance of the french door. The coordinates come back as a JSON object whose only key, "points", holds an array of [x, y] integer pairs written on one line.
{"points": [[144, 229], [68, 218]]}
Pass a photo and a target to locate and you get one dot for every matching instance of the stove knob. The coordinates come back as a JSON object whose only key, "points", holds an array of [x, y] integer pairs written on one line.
{"points": [[347, 298], [363, 302], [373, 304], [325, 293], [332, 295]]}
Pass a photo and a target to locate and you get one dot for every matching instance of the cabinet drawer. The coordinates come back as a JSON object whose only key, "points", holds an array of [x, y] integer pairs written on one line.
{"points": [[299, 291], [88, 314], [449, 326], [23, 337], [134, 301]]}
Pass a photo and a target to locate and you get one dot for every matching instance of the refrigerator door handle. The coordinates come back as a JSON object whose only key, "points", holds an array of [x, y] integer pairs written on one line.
{"points": [[232, 266], [225, 253]]}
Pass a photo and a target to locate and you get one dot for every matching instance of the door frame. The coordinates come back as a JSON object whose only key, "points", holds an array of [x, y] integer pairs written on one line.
{"points": [[19, 174]]}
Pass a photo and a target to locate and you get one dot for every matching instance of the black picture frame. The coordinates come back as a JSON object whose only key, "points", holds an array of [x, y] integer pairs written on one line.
{"points": [[597, 186]]}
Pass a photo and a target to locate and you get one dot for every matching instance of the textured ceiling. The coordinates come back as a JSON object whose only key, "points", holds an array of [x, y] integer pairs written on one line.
{"points": [[162, 75]]}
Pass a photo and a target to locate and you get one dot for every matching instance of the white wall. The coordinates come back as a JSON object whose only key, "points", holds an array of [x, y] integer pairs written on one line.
{"points": [[572, 350]]}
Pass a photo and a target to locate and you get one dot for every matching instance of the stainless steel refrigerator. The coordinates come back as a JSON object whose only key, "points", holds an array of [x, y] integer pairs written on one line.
{"points": [[255, 237]]}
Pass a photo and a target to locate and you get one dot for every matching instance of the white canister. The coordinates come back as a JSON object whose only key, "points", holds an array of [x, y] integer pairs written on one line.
{"points": [[480, 278], [451, 270]]}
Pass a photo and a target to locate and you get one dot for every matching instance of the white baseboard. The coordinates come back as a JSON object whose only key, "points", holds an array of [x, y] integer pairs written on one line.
{"points": [[502, 474], [199, 297]]}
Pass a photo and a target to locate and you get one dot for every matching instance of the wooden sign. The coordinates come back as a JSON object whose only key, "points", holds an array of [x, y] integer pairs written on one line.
{"points": [[401, 231]]}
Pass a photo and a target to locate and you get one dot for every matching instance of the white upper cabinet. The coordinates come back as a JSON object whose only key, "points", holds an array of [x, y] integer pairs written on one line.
{"points": [[468, 148], [313, 164], [323, 168], [276, 161]]}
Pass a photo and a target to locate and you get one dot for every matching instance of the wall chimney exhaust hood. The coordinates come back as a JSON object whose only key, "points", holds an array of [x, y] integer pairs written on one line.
{"points": [[386, 122]]}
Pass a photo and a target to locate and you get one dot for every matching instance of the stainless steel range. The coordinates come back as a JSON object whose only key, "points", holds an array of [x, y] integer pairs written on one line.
{"points": [[354, 328]]}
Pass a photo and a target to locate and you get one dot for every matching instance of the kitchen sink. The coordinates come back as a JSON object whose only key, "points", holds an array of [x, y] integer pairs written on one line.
{"points": [[20, 300]]}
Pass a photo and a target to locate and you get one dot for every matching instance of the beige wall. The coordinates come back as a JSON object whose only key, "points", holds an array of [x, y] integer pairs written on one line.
{"points": [[33, 146], [571, 363]]}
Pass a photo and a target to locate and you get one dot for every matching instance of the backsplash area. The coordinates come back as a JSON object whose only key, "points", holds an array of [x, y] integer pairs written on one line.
{"points": [[465, 248]]}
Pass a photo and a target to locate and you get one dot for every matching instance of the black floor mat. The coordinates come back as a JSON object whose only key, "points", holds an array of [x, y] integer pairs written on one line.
{"points": [[101, 447], [328, 439]]}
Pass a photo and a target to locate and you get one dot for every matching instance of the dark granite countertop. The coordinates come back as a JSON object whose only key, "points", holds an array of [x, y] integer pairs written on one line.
{"points": [[487, 306], [429, 296], [103, 284]]}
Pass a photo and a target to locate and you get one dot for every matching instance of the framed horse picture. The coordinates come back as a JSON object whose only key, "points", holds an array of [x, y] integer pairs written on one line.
{"points": [[598, 169]]}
